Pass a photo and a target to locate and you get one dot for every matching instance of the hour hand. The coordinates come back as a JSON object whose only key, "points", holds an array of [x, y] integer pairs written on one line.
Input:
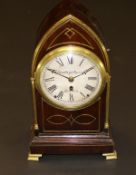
{"points": [[51, 70], [54, 71]]}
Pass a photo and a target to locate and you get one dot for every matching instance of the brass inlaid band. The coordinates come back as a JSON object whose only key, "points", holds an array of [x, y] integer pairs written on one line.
{"points": [[71, 119], [92, 131], [88, 44], [34, 104], [107, 103]]}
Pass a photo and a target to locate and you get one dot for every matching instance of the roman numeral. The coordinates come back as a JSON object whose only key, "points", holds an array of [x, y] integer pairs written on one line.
{"points": [[71, 97], [92, 78], [70, 60], [59, 61], [89, 87], [60, 95], [81, 62], [91, 68], [49, 79], [82, 94], [52, 88]]}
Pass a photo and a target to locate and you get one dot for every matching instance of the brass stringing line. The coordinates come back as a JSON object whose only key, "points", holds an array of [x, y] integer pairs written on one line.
{"points": [[71, 119], [107, 103], [70, 43], [69, 30], [43, 116], [99, 110], [97, 130], [56, 25], [34, 102], [45, 37], [90, 45], [97, 39], [85, 123], [55, 123], [99, 113], [51, 44]]}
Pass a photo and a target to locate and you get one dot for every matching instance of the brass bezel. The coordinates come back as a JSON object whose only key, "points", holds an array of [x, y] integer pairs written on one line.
{"points": [[78, 50]]}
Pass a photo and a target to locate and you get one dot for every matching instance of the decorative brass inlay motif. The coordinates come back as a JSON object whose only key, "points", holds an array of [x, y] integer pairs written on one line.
{"points": [[71, 119], [62, 22], [69, 33], [86, 131]]}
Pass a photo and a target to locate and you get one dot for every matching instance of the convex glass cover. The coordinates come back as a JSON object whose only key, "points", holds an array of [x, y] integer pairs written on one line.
{"points": [[70, 77]]}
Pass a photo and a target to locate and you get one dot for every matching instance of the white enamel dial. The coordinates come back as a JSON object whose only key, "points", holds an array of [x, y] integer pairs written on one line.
{"points": [[70, 80]]}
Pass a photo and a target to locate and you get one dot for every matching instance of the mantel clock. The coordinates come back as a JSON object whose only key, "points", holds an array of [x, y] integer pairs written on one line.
{"points": [[71, 84]]}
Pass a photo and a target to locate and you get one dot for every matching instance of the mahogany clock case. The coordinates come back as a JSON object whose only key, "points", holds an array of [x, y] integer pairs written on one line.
{"points": [[75, 134]]}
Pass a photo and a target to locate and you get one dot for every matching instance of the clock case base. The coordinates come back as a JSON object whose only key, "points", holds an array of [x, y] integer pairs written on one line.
{"points": [[101, 143]]}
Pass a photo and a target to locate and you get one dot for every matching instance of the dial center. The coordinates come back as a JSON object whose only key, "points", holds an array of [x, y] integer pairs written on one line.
{"points": [[71, 79]]}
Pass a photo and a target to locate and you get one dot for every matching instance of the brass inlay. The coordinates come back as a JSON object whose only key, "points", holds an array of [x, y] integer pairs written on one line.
{"points": [[69, 33], [71, 43], [107, 103], [56, 26], [71, 119], [88, 42], [82, 131], [65, 31], [34, 104]]}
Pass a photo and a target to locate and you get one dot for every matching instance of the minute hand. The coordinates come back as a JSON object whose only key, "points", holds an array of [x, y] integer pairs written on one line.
{"points": [[55, 72], [85, 72]]}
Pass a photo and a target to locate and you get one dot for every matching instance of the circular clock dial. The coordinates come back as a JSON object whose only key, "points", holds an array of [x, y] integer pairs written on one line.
{"points": [[70, 79]]}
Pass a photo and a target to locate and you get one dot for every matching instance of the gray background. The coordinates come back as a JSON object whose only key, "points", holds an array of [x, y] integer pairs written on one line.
{"points": [[19, 21]]}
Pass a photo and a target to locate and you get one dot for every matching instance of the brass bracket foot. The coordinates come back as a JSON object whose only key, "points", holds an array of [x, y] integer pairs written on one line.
{"points": [[110, 156], [34, 157]]}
